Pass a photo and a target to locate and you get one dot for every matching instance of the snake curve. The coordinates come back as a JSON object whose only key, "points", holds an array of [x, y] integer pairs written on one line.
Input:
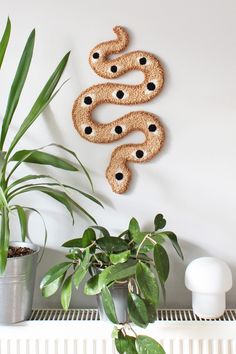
{"points": [[118, 172]]}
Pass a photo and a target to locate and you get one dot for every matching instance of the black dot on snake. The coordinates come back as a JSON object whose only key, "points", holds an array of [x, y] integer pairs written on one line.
{"points": [[139, 154], [120, 94], [113, 68], [152, 128], [142, 61], [151, 86], [118, 129], [88, 100], [96, 55], [119, 176], [88, 130]]}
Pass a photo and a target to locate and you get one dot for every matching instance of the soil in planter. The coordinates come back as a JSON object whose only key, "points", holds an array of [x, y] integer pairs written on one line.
{"points": [[18, 251]]}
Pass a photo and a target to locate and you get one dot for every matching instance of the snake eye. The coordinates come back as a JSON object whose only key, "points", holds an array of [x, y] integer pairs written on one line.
{"points": [[152, 128], [119, 176], [88, 130], [95, 55], [139, 154], [142, 61], [120, 94], [151, 87], [88, 100], [113, 68], [118, 129]]}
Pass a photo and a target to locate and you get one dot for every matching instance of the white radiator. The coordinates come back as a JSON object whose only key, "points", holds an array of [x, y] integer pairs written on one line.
{"points": [[81, 332]]}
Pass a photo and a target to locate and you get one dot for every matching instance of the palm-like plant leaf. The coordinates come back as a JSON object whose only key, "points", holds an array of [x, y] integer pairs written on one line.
{"points": [[25, 179], [41, 102], [9, 189], [56, 194], [43, 158], [17, 86], [23, 221], [4, 238], [4, 41], [27, 188]]}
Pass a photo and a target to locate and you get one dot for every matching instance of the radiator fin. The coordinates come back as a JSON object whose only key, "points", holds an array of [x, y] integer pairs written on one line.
{"points": [[104, 346], [93, 315]]}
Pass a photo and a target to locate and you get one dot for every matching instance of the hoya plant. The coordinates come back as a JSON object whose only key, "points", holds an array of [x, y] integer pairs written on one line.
{"points": [[135, 257], [11, 185]]}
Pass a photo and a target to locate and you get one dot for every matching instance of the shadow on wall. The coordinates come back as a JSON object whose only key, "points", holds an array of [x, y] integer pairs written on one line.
{"points": [[175, 287], [50, 258]]}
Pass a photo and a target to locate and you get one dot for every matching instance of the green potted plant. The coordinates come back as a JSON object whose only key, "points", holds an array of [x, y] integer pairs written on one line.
{"points": [[18, 259], [135, 260]]}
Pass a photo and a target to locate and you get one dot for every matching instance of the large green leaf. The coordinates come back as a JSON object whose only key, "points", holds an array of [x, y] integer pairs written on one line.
{"points": [[2, 162], [147, 345], [152, 311], [134, 228], [66, 292], [88, 237], [173, 238], [26, 156], [125, 344], [75, 254], [112, 244], [44, 98], [4, 238], [108, 275], [60, 196], [75, 242], [108, 305], [4, 41], [163, 289], [43, 158], [3, 199], [103, 230], [17, 86], [137, 310], [56, 194], [19, 163], [52, 288], [147, 283], [25, 179], [138, 236], [93, 286], [121, 257], [161, 260], [54, 273], [157, 236], [58, 184], [159, 222], [23, 221], [82, 269]]}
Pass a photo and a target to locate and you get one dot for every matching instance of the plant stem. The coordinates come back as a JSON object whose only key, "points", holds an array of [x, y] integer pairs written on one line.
{"points": [[147, 237]]}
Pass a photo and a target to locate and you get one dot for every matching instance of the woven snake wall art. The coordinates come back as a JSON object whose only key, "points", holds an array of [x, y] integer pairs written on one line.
{"points": [[118, 172]]}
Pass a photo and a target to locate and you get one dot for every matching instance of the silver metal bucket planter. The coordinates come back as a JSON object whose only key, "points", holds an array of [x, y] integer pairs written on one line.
{"points": [[119, 292], [17, 285]]}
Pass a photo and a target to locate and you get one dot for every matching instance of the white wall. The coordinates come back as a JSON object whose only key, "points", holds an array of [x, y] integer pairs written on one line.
{"points": [[192, 181]]}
